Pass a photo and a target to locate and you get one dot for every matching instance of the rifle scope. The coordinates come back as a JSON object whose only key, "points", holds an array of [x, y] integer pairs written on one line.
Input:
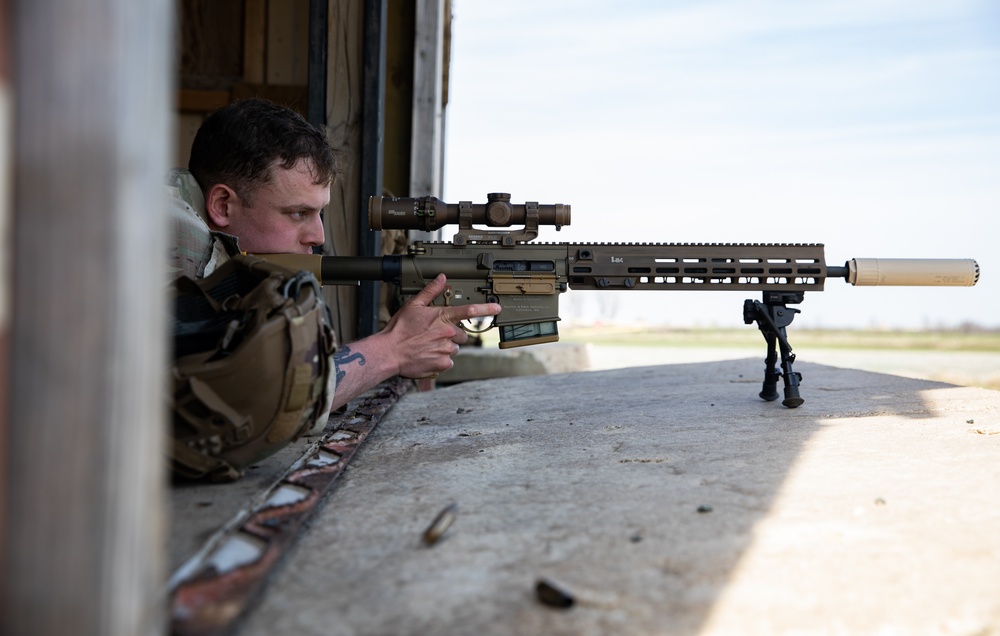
{"points": [[430, 213]]}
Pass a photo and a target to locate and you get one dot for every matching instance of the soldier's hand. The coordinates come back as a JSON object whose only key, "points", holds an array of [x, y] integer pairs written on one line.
{"points": [[426, 336]]}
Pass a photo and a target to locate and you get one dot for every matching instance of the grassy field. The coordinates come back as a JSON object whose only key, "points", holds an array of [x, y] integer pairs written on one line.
{"points": [[813, 339]]}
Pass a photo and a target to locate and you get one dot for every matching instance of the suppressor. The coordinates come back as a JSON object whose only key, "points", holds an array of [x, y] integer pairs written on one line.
{"points": [[902, 272]]}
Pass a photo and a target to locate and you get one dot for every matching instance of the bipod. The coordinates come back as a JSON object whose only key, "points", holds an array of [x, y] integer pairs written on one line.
{"points": [[772, 316]]}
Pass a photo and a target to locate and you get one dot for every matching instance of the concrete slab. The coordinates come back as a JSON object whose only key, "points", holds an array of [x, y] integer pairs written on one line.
{"points": [[475, 363], [873, 508], [197, 510]]}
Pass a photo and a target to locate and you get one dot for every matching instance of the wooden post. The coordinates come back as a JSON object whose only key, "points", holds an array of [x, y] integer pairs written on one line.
{"points": [[316, 65], [5, 249], [428, 110], [398, 116], [86, 420], [371, 156], [345, 63]]}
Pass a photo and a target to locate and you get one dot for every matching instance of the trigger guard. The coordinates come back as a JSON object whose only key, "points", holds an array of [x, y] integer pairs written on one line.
{"points": [[493, 323]]}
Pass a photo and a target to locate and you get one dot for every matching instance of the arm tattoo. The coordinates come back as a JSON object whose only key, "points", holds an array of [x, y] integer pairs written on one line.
{"points": [[344, 356]]}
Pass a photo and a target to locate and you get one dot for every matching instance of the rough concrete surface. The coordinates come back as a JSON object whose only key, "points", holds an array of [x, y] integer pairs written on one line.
{"points": [[475, 363], [872, 509]]}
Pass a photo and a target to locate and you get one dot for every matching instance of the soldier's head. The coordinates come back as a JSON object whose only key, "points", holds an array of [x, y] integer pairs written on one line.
{"points": [[266, 174]]}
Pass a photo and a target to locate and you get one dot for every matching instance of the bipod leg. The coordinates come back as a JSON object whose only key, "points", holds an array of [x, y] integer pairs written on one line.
{"points": [[772, 317], [791, 378], [769, 391]]}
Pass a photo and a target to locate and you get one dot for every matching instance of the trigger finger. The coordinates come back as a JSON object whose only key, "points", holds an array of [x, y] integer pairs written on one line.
{"points": [[468, 312], [461, 336]]}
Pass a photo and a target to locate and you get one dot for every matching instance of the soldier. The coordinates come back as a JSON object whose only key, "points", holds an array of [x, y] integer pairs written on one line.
{"points": [[262, 174]]}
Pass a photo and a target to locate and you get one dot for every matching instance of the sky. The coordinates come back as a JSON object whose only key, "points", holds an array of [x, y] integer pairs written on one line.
{"points": [[870, 126]]}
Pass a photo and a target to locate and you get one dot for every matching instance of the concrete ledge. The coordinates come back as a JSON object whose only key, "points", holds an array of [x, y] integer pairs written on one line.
{"points": [[667, 500], [475, 363]]}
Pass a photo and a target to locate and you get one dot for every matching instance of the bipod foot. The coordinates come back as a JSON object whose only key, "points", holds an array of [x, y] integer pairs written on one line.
{"points": [[772, 317], [793, 401], [769, 391]]}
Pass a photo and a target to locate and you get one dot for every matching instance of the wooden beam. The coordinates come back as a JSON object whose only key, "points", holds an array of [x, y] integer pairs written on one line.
{"points": [[288, 43], [198, 101], [255, 41], [294, 97]]}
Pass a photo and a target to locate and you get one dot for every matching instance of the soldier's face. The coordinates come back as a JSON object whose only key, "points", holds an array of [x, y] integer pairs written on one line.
{"points": [[285, 215]]}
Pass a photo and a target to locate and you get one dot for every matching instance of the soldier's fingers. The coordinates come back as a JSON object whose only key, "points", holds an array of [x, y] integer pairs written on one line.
{"points": [[466, 312], [430, 291], [460, 337]]}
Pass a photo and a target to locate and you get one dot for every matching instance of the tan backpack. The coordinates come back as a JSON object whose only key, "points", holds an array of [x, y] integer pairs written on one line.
{"points": [[252, 366]]}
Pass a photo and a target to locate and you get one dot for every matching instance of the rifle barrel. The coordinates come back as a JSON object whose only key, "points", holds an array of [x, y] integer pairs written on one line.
{"points": [[333, 270]]}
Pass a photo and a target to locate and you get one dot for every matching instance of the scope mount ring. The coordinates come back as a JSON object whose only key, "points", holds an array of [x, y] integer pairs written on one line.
{"points": [[466, 233]]}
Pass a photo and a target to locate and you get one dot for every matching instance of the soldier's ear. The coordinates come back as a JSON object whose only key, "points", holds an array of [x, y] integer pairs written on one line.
{"points": [[221, 202]]}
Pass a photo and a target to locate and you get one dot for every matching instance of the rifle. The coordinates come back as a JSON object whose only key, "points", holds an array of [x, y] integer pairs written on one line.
{"points": [[503, 266]]}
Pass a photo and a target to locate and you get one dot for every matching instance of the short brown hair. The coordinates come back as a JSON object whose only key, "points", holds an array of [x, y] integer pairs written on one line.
{"points": [[237, 144]]}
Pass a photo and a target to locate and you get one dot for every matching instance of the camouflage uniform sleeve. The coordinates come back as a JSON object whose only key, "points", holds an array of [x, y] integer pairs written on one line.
{"points": [[194, 251]]}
